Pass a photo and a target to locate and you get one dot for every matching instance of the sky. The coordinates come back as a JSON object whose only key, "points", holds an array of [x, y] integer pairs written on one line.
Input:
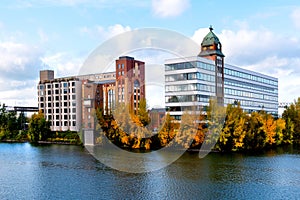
{"points": [[60, 34]]}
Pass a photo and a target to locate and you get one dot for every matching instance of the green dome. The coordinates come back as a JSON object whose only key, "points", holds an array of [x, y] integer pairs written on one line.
{"points": [[210, 39]]}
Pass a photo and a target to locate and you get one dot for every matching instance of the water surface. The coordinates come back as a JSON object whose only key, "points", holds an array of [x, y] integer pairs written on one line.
{"points": [[70, 172]]}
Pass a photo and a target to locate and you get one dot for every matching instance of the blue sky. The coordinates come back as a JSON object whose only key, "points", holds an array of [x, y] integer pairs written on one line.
{"points": [[51, 34]]}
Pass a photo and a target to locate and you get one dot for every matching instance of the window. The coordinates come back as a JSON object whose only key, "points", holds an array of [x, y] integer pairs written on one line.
{"points": [[49, 98], [65, 116], [41, 98], [49, 92], [57, 123]]}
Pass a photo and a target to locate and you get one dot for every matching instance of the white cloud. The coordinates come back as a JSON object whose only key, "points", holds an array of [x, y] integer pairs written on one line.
{"points": [[295, 16], [16, 97], [169, 8], [18, 59], [63, 64], [19, 67], [101, 33]]}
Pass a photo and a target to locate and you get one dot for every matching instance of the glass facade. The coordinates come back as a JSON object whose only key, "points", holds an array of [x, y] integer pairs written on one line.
{"points": [[189, 84]]}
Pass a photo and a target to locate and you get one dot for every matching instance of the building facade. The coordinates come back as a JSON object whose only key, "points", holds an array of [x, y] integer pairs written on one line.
{"points": [[130, 82], [191, 82], [60, 100], [70, 102]]}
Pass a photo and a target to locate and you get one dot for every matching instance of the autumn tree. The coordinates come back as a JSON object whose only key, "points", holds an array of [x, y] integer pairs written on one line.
{"points": [[215, 119], [255, 138], [269, 125], [279, 136], [234, 129], [168, 130], [187, 130]]}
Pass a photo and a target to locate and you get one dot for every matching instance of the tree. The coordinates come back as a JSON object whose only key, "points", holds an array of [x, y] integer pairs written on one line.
{"points": [[279, 136], [288, 131], [291, 115], [167, 132], [233, 133], [187, 130], [215, 120], [269, 126], [143, 113], [39, 127], [255, 138]]}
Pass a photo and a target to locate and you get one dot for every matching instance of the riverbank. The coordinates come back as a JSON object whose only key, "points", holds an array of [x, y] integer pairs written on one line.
{"points": [[43, 142]]}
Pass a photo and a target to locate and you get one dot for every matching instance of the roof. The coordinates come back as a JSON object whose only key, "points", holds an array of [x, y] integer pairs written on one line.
{"points": [[210, 38]]}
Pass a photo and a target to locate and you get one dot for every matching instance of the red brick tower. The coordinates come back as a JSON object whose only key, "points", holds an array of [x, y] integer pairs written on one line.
{"points": [[130, 82]]}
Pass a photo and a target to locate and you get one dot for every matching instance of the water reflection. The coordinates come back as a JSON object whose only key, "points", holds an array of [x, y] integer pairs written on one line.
{"points": [[70, 172]]}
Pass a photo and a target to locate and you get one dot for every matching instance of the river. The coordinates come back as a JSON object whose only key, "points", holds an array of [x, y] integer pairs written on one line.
{"points": [[70, 172]]}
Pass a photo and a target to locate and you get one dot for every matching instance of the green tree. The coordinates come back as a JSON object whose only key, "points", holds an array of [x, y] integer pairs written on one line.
{"points": [[39, 127], [255, 138], [288, 131], [143, 114], [291, 115]]}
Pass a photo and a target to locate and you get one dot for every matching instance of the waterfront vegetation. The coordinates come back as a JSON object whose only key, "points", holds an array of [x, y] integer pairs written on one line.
{"points": [[241, 131], [36, 129]]}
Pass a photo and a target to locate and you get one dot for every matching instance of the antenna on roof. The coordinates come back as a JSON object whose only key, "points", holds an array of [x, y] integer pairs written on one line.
{"points": [[211, 28]]}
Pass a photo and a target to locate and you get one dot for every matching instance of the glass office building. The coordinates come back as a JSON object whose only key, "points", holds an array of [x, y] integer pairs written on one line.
{"points": [[190, 83]]}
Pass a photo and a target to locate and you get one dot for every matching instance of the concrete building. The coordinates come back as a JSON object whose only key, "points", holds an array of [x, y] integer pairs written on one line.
{"points": [[191, 82]]}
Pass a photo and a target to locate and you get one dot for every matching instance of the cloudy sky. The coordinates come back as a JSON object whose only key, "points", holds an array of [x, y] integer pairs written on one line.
{"points": [[60, 34]]}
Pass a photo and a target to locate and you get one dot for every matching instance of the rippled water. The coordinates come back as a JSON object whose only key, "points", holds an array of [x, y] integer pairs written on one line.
{"points": [[70, 172]]}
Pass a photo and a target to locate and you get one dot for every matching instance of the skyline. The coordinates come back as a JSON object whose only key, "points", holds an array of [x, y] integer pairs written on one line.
{"points": [[59, 35]]}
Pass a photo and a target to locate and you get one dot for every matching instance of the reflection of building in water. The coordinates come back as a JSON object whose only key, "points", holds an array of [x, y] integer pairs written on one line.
{"points": [[70, 102], [191, 82]]}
